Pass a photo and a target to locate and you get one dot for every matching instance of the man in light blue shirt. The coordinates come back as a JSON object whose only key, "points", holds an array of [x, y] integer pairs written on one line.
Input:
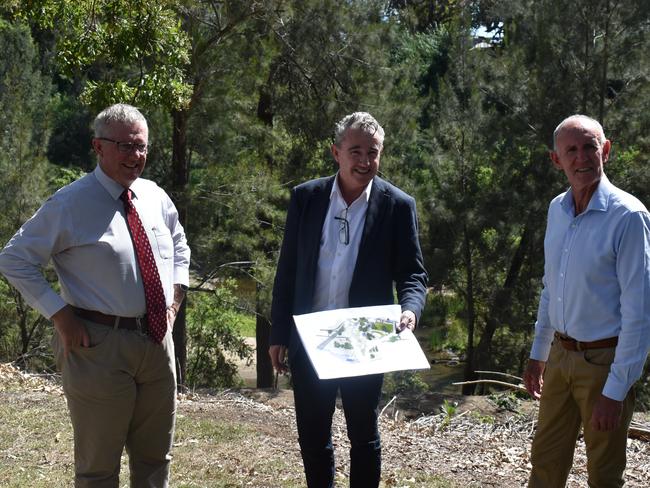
{"points": [[118, 377], [593, 324]]}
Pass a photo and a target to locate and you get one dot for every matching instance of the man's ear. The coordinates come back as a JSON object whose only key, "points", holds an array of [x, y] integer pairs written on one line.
{"points": [[335, 152], [97, 146], [556, 160], [606, 148]]}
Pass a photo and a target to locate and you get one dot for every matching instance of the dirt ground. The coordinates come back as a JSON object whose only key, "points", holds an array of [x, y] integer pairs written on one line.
{"points": [[474, 442], [480, 445], [484, 443]]}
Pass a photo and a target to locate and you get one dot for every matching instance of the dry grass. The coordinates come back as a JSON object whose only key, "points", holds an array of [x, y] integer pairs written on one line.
{"points": [[248, 439]]}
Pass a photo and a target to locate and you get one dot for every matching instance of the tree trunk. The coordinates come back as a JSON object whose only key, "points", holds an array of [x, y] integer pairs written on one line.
{"points": [[180, 180], [469, 373], [264, 367], [502, 301]]}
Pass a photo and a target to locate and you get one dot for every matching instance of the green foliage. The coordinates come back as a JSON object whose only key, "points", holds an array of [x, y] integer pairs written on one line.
{"points": [[70, 141], [446, 311], [484, 419], [64, 176], [213, 338], [403, 383], [260, 85], [130, 51], [449, 408], [506, 401], [246, 323], [24, 118], [435, 310]]}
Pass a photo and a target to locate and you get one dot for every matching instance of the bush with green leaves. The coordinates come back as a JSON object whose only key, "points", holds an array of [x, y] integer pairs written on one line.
{"points": [[214, 341], [403, 383]]}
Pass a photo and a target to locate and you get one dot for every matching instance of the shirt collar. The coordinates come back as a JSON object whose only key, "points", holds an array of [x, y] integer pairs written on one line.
{"points": [[336, 191], [113, 188], [599, 200]]}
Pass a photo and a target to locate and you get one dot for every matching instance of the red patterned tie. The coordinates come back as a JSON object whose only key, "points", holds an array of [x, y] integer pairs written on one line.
{"points": [[153, 290]]}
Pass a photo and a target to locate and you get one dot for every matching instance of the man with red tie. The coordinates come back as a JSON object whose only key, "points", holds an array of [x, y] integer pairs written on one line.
{"points": [[122, 261]]}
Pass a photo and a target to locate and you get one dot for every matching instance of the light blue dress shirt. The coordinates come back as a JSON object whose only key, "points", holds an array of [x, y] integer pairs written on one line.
{"points": [[597, 280], [83, 230]]}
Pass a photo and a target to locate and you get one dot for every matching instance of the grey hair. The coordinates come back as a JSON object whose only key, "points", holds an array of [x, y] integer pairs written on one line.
{"points": [[120, 113], [358, 120], [582, 118]]}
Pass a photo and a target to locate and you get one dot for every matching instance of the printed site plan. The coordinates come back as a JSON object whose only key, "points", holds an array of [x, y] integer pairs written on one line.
{"points": [[358, 341]]}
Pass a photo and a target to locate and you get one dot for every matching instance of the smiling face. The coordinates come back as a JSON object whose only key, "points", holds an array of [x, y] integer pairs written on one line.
{"points": [[358, 157], [581, 151], [123, 168]]}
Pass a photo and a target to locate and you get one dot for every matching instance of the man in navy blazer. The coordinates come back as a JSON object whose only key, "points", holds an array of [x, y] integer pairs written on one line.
{"points": [[350, 240]]}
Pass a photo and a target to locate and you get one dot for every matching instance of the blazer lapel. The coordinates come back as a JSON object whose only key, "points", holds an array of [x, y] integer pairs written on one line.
{"points": [[315, 216], [318, 211]]}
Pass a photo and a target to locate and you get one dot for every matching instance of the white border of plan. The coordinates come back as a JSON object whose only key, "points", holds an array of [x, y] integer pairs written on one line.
{"points": [[358, 341]]}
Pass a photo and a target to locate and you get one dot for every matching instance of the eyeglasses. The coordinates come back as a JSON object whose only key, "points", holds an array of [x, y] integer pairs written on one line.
{"points": [[344, 227], [127, 147]]}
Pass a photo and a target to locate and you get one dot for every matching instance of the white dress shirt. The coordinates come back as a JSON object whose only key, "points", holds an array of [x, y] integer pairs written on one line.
{"points": [[336, 260], [597, 280], [83, 230]]}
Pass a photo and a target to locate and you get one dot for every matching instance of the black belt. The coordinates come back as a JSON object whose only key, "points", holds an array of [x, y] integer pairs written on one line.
{"points": [[570, 344], [128, 323]]}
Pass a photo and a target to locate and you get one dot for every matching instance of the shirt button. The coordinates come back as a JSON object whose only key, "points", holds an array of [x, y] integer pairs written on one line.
{"points": [[566, 249], [561, 275], [559, 299]]}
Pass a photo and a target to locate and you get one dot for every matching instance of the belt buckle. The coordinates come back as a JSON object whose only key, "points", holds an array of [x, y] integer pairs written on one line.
{"points": [[578, 346]]}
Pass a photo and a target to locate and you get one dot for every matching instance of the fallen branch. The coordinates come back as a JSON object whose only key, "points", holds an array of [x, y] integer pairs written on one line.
{"points": [[495, 382], [500, 374], [639, 431], [383, 409]]}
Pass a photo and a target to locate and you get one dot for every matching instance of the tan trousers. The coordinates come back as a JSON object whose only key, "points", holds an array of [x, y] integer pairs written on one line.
{"points": [[121, 392], [572, 383]]}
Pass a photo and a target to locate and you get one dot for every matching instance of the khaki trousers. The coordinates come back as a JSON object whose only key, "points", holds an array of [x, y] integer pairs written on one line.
{"points": [[121, 392], [573, 380]]}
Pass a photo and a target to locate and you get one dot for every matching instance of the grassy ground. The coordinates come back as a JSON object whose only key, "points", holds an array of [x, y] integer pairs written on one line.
{"points": [[248, 439], [212, 448]]}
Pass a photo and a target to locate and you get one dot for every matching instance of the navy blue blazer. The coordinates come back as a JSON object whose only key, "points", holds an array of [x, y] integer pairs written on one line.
{"points": [[389, 252]]}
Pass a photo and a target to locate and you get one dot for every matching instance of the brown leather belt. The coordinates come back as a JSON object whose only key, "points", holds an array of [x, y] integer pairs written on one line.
{"points": [[570, 344], [128, 323]]}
